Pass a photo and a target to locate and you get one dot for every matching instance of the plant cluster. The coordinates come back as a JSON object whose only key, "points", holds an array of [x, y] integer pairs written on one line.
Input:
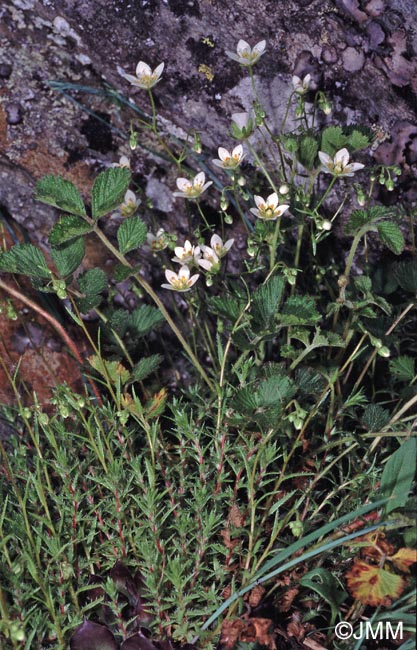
{"points": [[277, 473]]}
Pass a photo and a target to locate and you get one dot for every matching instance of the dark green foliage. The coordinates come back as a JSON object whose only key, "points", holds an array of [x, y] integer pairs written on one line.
{"points": [[375, 417], [131, 234], [25, 259], [60, 193], [402, 368], [146, 366], [69, 256], [299, 310], [266, 301], [406, 275], [360, 218], [398, 475], [108, 190], [308, 151], [91, 283], [390, 234], [68, 227]]}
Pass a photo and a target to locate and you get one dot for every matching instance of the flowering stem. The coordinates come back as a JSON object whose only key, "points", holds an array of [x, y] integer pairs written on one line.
{"points": [[273, 246], [203, 216], [332, 182], [151, 293], [262, 166]]}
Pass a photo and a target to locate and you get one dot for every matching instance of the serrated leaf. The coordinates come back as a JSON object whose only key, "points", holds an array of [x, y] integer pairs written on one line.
{"points": [[131, 234], [274, 390], [332, 140], [360, 218], [25, 259], [266, 301], [308, 151], [357, 140], [68, 227], [373, 585], [390, 234], [56, 191], [108, 190], [403, 368], [69, 256], [309, 382], [144, 319], [111, 370], [122, 272], [244, 400], [398, 475], [229, 308], [93, 281], [375, 417], [326, 585], [146, 366], [156, 405], [299, 310], [406, 274]]}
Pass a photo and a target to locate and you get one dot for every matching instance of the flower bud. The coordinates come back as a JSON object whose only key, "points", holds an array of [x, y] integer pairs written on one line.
{"points": [[384, 352], [389, 184], [228, 219], [326, 225], [284, 189]]}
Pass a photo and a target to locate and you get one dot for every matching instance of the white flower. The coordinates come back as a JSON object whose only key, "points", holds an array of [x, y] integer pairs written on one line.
{"points": [[217, 245], [192, 189], [247, 55], [145, 76], [339, 165], [210, 260], [268, 209], [301, 86], [123, 162], [229, 160], [157, 242], [186, 254], [129, 205], [180, 281]]}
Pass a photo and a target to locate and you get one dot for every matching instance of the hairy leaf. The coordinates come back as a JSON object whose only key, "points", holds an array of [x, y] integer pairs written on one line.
{"points": [[357, 140], [69, 256], [56, 191], [332, 140], [144, 319], [131, 234], [25, 259], [112, 370], [92, 281], [68, 227], [266, 301], [308, 151], [360, 218], [229, 308], [403, 368], [299, 310], [108, 190], [375, 417], [146, 366], [406, 275], [273, 390], [390, 234]]}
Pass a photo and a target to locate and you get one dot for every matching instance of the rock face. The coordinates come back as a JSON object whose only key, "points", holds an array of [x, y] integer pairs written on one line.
{"points": [[362, 53]]}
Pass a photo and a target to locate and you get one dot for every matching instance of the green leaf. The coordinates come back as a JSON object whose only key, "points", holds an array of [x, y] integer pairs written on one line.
{"points": [[56, 191], [360, 218], [398, 475], [406, 274], [93, 281], [332, 140], [308, 151], [25, 259], [357, 140], [229, 308], [273, 390], [131, 234], [299, 310], [108, 190], [146, 366], [391, 235], [266, 301], [69, 256], [144, 319], [244, 400], [68, 227], [403, 368], [309, 382], [375, 417]]}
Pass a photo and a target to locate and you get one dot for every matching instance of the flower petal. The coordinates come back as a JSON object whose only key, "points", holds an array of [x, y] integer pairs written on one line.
{"points": [[199, 179], [342, 157], [272, 200], [259, 48], [171, 276], [143, 69], [324, 158], [243, 47], [224, 154], [184, 184], [184, 273], [260, 203], [159, 69]]}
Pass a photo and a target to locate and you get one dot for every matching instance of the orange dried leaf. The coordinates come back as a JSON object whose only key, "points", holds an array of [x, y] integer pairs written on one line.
{"points": [[372, 585], [404, 558]]}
